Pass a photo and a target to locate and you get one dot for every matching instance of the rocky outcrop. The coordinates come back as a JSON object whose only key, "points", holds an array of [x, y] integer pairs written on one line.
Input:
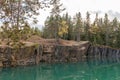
{"points": [[33, 53], [103, 52], [25, 55], [62, 53]]}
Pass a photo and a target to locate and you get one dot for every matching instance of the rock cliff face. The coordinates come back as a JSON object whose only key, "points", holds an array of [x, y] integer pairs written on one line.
{"points": [[43, 51], [12, 57], [103, 52], [64, 53]]}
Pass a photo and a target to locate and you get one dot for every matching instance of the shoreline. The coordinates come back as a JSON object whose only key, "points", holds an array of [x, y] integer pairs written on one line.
{"points": [[43, 50]]}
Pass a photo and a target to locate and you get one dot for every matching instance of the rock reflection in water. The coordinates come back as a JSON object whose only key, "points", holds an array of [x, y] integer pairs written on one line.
{"points": [[90, 69]]}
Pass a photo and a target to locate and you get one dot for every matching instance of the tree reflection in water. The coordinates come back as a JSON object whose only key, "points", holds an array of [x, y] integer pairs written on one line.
{"points": [[91, 69]]}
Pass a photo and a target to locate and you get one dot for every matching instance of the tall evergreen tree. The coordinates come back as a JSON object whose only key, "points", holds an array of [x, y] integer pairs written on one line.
{"points": [[69, 23], [49, 29], [78, 26], [96, 20], [115, 32], [55, 12], [107, 26], [15, 13], [87, 26]]}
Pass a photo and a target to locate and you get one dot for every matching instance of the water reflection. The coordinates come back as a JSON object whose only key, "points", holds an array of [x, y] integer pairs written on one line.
{"points": [[91, 69]]}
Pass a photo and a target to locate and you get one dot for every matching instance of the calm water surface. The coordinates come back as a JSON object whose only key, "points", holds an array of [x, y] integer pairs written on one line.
{"points": [[86, 70]]}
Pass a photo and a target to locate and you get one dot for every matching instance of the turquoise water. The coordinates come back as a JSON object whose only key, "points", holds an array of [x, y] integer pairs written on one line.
{"points": [[86, 70]]}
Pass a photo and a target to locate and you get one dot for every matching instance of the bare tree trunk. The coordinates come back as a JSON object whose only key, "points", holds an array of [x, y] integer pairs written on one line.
{"points": [[78, 36]]}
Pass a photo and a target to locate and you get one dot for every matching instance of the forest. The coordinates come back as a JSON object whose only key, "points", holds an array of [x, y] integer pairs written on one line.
{"points": [[101, 31], [15, 16]]}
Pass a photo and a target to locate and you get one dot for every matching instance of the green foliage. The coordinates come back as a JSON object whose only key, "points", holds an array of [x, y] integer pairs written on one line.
{"points": [[36, 31], [102, 31], [55, 12], [63, 29], [15, 14]]}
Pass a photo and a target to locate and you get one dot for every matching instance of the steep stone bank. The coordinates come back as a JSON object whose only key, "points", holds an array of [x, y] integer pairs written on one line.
{"points": [[43, 50], [64, 53], [103, 52], [18, 56]]}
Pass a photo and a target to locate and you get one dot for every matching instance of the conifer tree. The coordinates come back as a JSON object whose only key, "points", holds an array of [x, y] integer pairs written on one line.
{"points": [[55, 12], [78, 26], [15, 13], [107, 28], [87, 26]]}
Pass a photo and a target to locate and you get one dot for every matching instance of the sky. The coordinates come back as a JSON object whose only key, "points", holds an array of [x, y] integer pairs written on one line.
{"points": [[91, 5], [112, 7]]}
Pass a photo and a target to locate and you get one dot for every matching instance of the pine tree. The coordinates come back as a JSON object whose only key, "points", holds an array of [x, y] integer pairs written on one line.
{"points": [[55, 12], [69, 24], [49, 29], [96, 20], [78, 25], [17, 12], [87, 26], [114, 32], [106, 25]]}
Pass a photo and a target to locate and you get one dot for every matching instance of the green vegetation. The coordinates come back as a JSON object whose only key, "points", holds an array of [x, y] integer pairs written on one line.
{"points": [[15, 15], [101, 31]]}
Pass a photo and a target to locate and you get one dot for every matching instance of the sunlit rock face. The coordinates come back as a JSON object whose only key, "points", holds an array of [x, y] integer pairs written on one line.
{"points": [[64, 53], [35, 52]]}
